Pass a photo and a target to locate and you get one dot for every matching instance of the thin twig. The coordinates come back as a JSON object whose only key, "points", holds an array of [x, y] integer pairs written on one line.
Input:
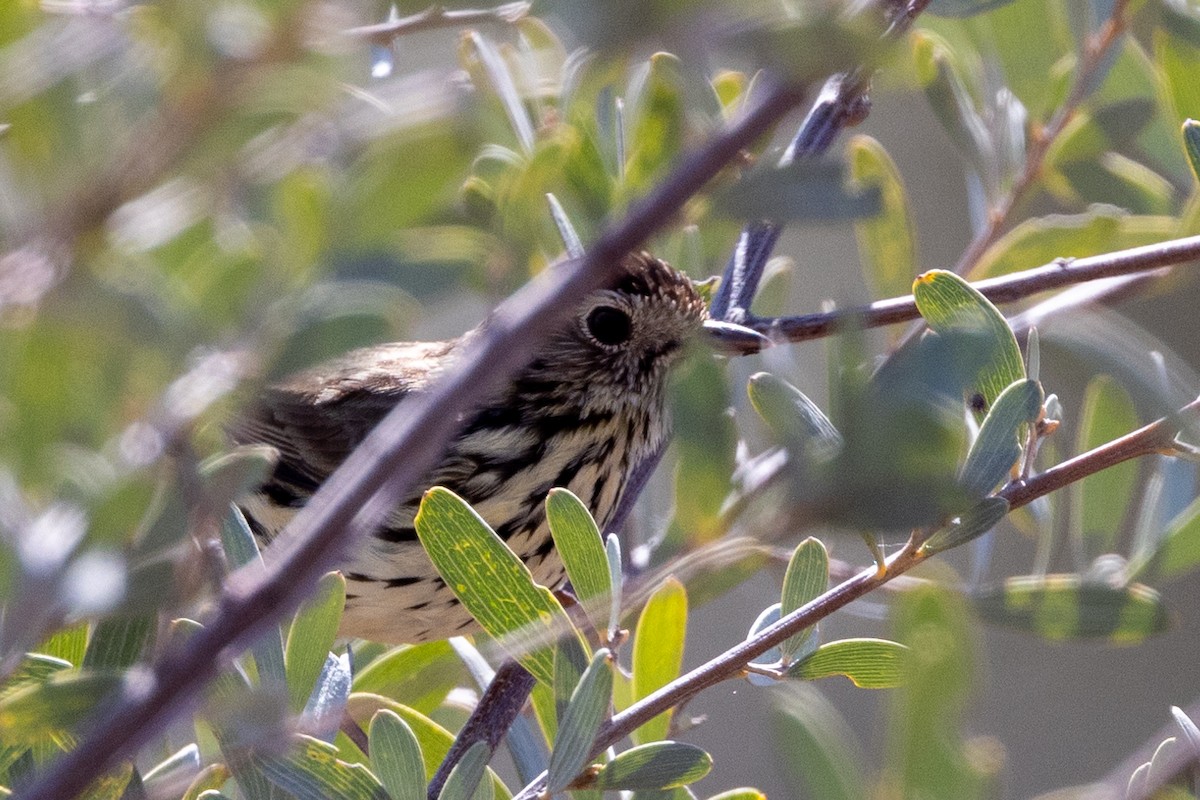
{"points": [[1005, 289], [1094, 54], [384, 33], [1152, 439], [366, 487]]}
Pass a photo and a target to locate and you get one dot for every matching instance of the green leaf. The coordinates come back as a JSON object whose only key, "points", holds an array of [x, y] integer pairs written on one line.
{"points": [[868, 663], [570, 662], [311, 636], [656, 122], [887, 245], [1179, 552], [577, 727], [612, 550], [1100, 501], [744, 793], [581, 547], [34, 668], [118, 642], [1191, 145], [998, 446], [806, 579], [950, 100], [396, 757], [658, 651], [981, 518], [36, 712], [658, 765], [465, 780], [1177, 61], [804, 190], [420, 676], [1068, 607], [949, 303], [207, 783], [69, 643], [489, 580], [813, 744], [789, 413], [705, 442], [312, 771], [181, 766]]}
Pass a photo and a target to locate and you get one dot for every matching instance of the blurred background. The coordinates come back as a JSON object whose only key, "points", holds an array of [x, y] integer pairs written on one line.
{"points": [[198, 198]]}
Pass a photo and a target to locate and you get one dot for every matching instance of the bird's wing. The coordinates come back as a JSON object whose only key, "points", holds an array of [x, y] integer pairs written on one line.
{"points": [[317, 417]]}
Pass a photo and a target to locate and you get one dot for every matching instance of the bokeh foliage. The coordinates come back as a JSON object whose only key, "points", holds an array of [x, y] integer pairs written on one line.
{"points": [[197, 198]]}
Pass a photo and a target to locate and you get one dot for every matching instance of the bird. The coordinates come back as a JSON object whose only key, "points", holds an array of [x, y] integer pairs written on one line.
{"points": [[586, 411]]}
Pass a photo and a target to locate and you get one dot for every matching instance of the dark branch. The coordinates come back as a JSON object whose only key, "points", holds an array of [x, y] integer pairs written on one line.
{"points": [[1005, 289]]}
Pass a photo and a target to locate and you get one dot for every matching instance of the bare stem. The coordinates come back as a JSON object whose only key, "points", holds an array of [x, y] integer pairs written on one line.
{"points": [[1094, 54], [436, 16], [1157, 437], [1004, 289], [356, 498]]}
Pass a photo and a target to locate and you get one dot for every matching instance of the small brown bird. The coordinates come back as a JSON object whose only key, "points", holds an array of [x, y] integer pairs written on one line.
{"points": [[582, 415]]}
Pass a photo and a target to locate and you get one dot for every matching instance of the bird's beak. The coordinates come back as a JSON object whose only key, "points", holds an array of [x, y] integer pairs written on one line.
{"points": [[730, 339]]}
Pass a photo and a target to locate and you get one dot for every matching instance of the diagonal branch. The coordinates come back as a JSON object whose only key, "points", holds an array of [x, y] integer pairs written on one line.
{"points": [[1154, 438], [393, 457]]}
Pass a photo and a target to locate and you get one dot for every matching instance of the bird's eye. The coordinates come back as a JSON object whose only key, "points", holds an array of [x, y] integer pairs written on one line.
{"points": [[609, 326]]}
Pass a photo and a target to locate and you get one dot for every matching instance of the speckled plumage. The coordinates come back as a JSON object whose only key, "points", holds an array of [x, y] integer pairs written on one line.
{"points": [[582, 415]]}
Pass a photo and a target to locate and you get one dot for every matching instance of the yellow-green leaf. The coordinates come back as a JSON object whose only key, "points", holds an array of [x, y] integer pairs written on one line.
{"points": [[1100, 501], [579, 544], [311, 636], [490, 581], [658, 650], [886, 242], [949, 303], [868, 663], [1068, 607]]}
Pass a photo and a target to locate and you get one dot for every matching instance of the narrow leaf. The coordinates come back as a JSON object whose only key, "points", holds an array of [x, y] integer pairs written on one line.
{"points": [[118, 642], [659, 765], [1067, 607], [467, 774], [1099, 502], [886, 242], [396, 757], [949, 303], [814, 746], [980, 519], [311, 636], [35, 712], [612, 549], [577, 727], [998, 446], [797, 420], [420, 676], [570, 662], [313, 772], [658, 651], [868, 663], [489, 580], [581, 548], [807, 578]]}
